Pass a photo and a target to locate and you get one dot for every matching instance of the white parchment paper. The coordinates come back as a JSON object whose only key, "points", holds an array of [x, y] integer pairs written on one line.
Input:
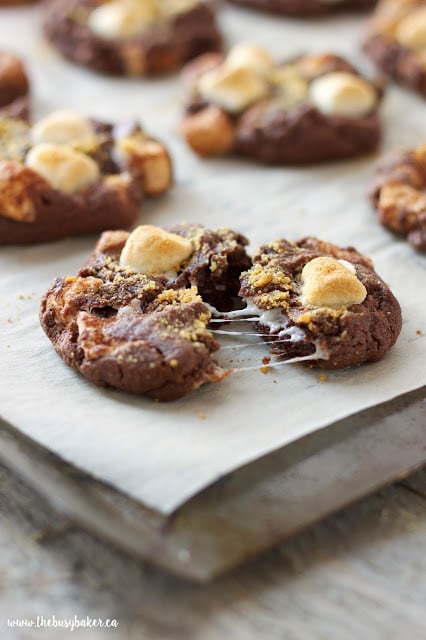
{"points": [[164, 453]]}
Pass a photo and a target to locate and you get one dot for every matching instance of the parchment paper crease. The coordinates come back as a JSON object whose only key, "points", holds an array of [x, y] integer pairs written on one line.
{"points": [[163, 454]]}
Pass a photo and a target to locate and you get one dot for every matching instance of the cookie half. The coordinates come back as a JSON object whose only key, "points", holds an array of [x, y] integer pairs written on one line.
{"points": [[14, 87], [320, 304], [396, 41], [307, 110], [131, 37], [136, 315], [305, 8], [69, 175], [398, 194]]}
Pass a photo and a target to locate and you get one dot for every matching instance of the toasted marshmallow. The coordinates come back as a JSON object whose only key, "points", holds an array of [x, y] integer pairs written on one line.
{"points": [[152, 250], [147, 157], [327, 282], [249, 56], [232, 89], [292, 86], [16, 192], [122, 19], [65, 169], [341, 93], [411, 31], [63, 127], [172, 7]]}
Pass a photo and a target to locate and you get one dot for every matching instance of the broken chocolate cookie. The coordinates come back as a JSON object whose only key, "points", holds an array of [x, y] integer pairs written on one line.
{"points": [[135, 317], [319, 304]]}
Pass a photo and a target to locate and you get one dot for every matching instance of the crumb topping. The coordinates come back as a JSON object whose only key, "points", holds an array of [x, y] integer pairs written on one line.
{"points": [[14, 139]]}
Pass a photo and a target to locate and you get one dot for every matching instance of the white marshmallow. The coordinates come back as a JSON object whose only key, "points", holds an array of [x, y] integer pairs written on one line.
{"points": [[172, 7], [411, 31], [232, 89], [343, 94], [293, 88], [122, 19], [63, 127], [65, 169], [249, 56], [151, 250]]}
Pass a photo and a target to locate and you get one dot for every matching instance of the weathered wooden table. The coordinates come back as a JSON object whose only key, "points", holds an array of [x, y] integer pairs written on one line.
{"points": [[358, 574]]}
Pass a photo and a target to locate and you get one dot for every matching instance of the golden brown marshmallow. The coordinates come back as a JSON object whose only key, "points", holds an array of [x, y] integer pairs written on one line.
{"points": [[232, 89], [16, 188], [153, 250], [341, 93], [172, 7], [327, 282], [122, 19], [411, 31], [148, 157], [292, 86], [251, 57], [65, 169], [63, 127]]}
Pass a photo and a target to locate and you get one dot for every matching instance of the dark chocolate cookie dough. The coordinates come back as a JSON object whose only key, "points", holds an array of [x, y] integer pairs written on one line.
{"points": [[135, 316], [130, 37], [68, 175], [307, 110], [307, 8], [14, 87], [323, 305], [398, 193], [396, 41]]}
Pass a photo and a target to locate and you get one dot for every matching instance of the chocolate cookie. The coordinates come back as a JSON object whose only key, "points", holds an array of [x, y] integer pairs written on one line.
{"points": [[311, 109], [14, 87], [130, 37], [322, 305], [306, 8], [398, 193], [135, 316], [396, 41], [68, 175]]}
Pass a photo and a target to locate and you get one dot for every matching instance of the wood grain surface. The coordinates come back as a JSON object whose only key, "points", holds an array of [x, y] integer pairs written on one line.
{"points": [[358, 574]]}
